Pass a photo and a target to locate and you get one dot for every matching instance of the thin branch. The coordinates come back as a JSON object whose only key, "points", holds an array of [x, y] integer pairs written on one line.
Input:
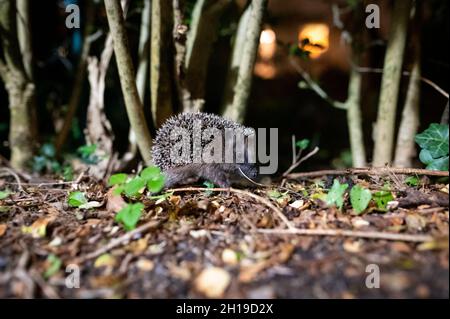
{"points": [[348, 233], [242, 192], [380, 171], [364, 69], [299, 161], [316, 87]]}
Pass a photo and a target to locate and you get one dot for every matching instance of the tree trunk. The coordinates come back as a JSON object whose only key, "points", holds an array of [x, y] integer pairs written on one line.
{"points": [[78, 82], [161, 61], [127, 78], [20, 89], [354, 119], [201, 37], [385, 126], [235, 110], [406, 147]]}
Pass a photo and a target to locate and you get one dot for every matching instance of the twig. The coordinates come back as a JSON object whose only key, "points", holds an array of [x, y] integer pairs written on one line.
{"points": [[316, 87], [347, 233], [11, 172], [370, 171], [242, 192], [118, 241], [249, 179], [295, 165], [405, 73]]}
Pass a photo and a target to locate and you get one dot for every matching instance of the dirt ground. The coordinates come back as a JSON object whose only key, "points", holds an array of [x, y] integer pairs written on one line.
{"points": [[216, 244]]}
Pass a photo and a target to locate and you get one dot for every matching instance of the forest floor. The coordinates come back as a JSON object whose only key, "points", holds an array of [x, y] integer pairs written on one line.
{"points": [[196, 244]]}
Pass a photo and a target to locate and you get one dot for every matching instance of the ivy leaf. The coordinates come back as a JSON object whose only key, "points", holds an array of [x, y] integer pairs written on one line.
{"points": [[382, 198], [133, 187], [150, 172], [117, 179], [130, 215], [303, 144], [434, 139], [4, 194], [412, 181], [439, 164], [425, 156], [76, 199], [54, 264], [360, 198], [336, 194]]}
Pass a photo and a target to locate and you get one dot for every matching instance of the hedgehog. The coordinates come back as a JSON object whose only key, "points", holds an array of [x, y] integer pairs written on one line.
{"points": [[174, 149]]}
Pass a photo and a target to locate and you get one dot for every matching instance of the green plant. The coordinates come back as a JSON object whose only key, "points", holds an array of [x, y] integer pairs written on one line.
{"points": [[151, 178], [434, 144], [4, 194], [130, 215], [87, 153], [360, 198], [336, 194], [382, 198], [412, 181], [54, 264], [76, 199]]}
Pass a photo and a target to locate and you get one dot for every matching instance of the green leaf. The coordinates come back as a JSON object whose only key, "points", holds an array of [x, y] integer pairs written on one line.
{"points": [[54, 266], [130, 215], [302, 144], [118, 190], [439, 164], [360, 198], [117, 179], [67, 173], [4, 194], [150, 172], [208, 184], [87, 150], [412, 181], [336, 194], [425, 156], [434, 139], [48, 150], [156, 184], [76, 199], [165, 195], [134, 186], [382, 198]]}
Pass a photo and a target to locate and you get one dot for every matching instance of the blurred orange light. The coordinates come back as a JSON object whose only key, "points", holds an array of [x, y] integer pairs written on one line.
{"points": [[318, 38], [267, 44]]}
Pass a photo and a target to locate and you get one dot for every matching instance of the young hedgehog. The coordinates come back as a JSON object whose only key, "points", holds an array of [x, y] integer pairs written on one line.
{"points": [[186, 170]]}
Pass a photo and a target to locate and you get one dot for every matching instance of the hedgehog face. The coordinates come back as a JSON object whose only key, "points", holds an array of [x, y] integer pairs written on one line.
{"points": [[250, 170]]}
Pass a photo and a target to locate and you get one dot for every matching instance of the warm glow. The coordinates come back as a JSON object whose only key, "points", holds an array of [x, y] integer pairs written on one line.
{"points": [[318, 36], [267, 44]]}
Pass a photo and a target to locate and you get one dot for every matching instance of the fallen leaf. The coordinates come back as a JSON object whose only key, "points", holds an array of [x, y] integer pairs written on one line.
{"points": [[114, 203], [105, 260], [297, 204], [2, 229], [39, 228], [212, 282], [230, 257], [145, 264], [415, 221], [352, 246]]}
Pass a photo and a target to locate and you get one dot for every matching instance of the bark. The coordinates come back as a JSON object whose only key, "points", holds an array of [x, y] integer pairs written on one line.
{"points": [[444, 117], [385, 126], [142, 74], [406, 147], [21, 90], [161, 61], [202, 34], [127, 78], [354, 119], [77, 84], [241, 89]]}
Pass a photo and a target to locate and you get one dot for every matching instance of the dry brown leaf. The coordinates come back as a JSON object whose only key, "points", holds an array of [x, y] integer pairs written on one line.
{"points": [[114, 203], [39, 228], [2, 229]]}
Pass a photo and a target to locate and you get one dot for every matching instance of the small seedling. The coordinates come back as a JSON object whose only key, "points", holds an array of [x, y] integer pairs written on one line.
{"points": [[130, 215], [336, 194]]}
